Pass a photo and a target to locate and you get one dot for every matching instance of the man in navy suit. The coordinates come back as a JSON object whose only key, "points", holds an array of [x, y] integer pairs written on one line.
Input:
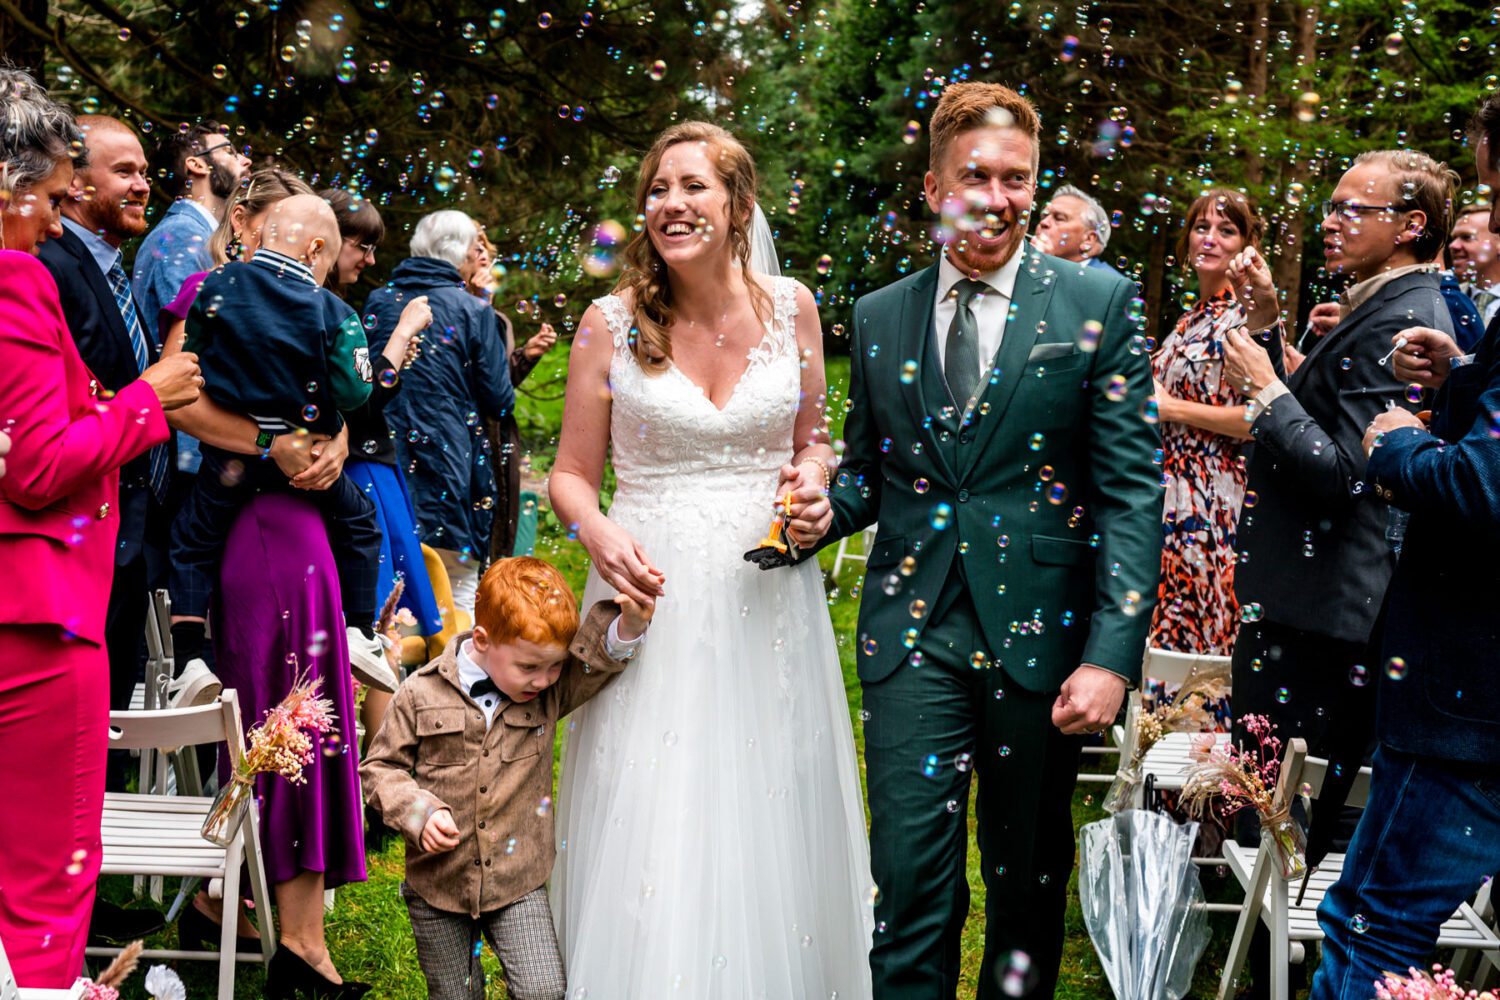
{"points": [[107, 207], [1430, 833]]}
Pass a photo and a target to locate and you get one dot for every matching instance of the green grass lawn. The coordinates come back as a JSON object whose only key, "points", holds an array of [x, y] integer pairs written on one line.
{"points": [[368, 931]]}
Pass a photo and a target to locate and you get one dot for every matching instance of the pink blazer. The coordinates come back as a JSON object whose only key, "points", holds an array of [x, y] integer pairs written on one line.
{"points": [[58, 520]]}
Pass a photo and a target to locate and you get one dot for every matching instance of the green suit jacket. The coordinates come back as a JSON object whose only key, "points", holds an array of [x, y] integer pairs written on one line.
{"points": [[1048, 500]]}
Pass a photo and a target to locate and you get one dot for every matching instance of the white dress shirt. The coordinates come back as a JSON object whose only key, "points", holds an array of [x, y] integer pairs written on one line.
{"points": [[471, 673], [990, 309]]}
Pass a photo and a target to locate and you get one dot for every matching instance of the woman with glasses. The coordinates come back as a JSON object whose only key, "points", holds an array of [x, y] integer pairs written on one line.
{"points": [[278, 618], [1204, 423]]}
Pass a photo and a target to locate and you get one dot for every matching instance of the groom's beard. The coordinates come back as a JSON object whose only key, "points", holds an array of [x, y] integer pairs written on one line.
{"points": [[982, 256]]}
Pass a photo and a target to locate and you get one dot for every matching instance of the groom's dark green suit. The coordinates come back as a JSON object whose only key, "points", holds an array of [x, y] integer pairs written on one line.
{"points": [[1010, 549]]}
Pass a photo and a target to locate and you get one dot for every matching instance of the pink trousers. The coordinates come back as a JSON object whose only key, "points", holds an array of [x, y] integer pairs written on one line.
{"points": [[54, 733]]}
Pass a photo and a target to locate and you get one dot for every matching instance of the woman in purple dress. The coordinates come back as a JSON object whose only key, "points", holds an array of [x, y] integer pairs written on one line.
{"points": [[278, 619]]}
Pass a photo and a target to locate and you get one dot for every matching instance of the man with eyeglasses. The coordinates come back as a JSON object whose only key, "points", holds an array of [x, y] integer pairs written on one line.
{"points": [[1315, 558], [201, 169], [1430, 833]]}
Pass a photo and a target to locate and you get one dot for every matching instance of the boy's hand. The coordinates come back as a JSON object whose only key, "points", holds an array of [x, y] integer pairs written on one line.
{"points": [[440, 834], [634, 617]]}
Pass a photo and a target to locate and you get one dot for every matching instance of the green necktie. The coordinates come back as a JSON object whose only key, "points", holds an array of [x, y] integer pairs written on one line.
{"points": [[961, 357]]}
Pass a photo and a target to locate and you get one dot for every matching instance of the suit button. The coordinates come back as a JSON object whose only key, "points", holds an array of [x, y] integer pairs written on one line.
{"points": [[483, 789], [481, 824], [963, 496], [486, 753], [965, 438], [103, 511], [486, 862], [476, 862]]}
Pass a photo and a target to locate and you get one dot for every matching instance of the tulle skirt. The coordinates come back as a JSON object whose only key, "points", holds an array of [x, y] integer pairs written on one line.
{"points": [[711, 832]]}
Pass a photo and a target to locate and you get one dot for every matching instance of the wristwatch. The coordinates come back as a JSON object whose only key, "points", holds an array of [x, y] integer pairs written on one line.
{"points": [[263, 441]]}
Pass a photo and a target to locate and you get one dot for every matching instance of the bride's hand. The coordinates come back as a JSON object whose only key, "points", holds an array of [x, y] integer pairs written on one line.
{"points": [[623, 563], [811, 514]]}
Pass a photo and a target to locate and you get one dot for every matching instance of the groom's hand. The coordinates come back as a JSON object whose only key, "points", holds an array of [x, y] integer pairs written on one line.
{"points": [[811, 515], [1089, 700]]}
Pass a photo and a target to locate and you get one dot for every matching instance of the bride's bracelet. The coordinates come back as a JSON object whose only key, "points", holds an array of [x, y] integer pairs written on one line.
{"points": [[827, 474]]}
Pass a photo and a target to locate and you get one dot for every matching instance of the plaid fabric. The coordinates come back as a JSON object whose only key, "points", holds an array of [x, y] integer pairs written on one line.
{"points": [[521, 934]]}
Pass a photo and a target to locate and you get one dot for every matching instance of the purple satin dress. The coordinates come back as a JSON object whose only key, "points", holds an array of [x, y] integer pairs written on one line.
{"points": [[277, 615]]}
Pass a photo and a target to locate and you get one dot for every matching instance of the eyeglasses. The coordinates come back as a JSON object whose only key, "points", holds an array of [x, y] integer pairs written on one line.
{"points": [[1352, 210], [368, 249], [214, 149]]}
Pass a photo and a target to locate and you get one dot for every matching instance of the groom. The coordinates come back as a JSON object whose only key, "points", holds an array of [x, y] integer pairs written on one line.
{"points": [[997, 437]]}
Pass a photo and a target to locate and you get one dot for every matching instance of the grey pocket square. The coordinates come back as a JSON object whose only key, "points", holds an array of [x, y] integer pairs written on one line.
{"points": [[1049, 352]]}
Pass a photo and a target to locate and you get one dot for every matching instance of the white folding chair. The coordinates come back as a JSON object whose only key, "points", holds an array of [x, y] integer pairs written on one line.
{"points": [[843, 554], [1168, 760], [1290, 913], [159, 835], [10, 991]]}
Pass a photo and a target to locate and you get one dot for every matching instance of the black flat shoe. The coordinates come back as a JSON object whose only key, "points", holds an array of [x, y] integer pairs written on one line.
{"points": [[289, 977], [196, 929], [115, 925]]}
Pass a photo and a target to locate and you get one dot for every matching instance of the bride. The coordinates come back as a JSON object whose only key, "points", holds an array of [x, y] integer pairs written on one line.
{"points": [[711, 832]]}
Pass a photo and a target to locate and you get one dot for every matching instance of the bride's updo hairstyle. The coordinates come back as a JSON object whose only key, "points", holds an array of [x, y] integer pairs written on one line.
{"points": [[645, 274]]}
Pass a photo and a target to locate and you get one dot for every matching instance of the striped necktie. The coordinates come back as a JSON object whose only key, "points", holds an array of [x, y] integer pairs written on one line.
{"points": [[120, 285]]}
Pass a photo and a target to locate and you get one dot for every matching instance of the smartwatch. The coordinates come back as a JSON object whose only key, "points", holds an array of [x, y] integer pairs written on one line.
{"points": [[263, 441]]}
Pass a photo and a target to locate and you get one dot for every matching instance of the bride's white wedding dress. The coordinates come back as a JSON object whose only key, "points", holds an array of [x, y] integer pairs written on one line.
{"points": [[711, 832]]}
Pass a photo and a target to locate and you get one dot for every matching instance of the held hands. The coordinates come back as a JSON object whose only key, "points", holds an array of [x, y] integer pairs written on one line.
{"points": [[811, 515], [1089, 700], [623, 563], [1247, 366], [1425, 357], [540, 343], [175, 379], [440, 834], [634, 617], [1250, 276], [327, 462], [1388, 421]]}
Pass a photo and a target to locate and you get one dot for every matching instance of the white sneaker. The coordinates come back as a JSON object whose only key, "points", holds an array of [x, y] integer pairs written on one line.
{"points": [[367, 661], [196, 685]]}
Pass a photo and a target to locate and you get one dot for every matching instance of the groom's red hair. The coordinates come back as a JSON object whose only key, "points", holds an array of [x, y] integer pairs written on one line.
{"points": [[525, 598], [972, 104]]}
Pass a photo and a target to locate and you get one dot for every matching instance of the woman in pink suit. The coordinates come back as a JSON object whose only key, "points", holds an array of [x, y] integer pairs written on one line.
{"points": [[57, 535]]}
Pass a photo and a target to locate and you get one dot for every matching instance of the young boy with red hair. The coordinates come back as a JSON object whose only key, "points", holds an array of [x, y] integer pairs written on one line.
{"points": [[462, 766]]}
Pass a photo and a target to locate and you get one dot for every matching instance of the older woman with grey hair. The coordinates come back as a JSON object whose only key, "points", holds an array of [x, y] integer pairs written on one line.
{"points": [[460, 379], [58, 525]]}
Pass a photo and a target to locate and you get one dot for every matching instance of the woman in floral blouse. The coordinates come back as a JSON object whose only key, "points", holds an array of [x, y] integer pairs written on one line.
{"points": [[1203, 422]]}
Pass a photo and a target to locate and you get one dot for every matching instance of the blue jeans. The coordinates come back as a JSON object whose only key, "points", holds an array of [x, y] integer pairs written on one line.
{"points": [[1429, 837]]}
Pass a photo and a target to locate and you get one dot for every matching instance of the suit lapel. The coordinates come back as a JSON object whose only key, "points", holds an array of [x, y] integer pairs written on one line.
{"points": [[103, 294], [1029, 301], [1356, 318], [913, 331]]}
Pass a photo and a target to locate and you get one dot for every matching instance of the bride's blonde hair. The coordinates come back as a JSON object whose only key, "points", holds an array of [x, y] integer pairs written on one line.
{"points": [[645, 274]]}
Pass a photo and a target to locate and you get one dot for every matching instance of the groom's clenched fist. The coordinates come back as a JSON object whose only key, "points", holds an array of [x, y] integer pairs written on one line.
{"points": [[1089, 700]]}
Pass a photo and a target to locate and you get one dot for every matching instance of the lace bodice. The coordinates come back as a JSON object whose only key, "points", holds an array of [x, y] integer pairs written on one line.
{"points": [[675, 453]]}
